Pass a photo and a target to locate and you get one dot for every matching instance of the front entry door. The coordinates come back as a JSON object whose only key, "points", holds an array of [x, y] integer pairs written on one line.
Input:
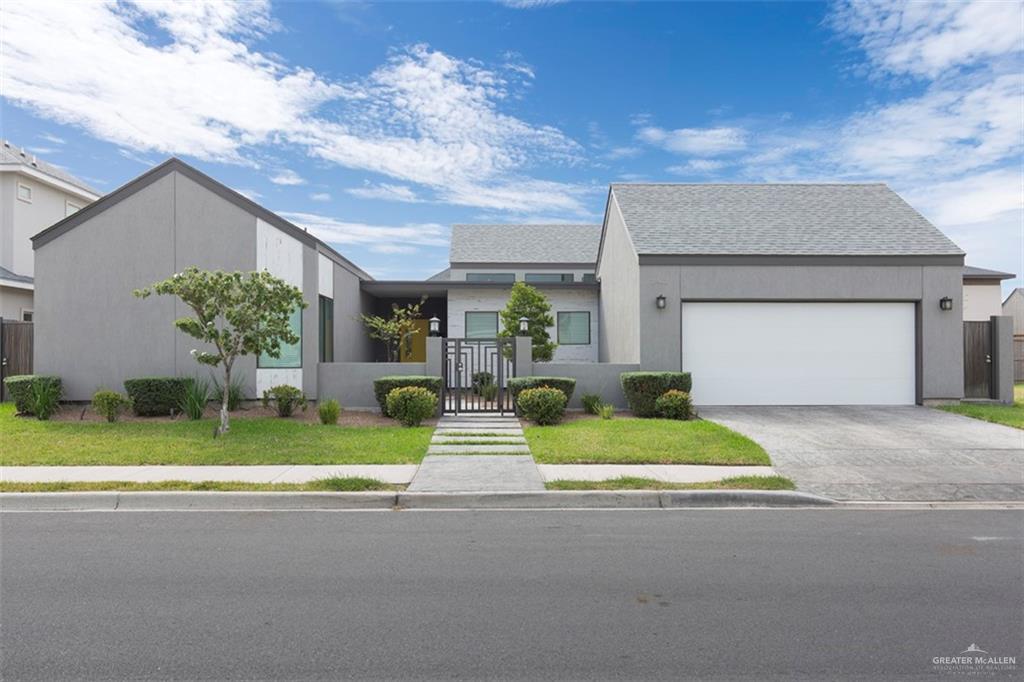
{"points": [[414, 348], [476, 374], [977, 359]]}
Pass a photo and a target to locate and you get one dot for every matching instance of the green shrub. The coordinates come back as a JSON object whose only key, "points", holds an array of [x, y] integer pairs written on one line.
{"points": [[606, 411], [21, 389], [674, 404], [194, 399], [543, 405], [110, 404], [383, 386], [564, 384], [591, 403], [480, 380], [236, 393], [156, 396], [286, 398], [411, 404], [643, 389], [489, 391], [45, 399], [329, 411]]}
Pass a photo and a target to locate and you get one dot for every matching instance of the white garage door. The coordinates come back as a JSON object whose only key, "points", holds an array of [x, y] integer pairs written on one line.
{"points": [[800, 353]]}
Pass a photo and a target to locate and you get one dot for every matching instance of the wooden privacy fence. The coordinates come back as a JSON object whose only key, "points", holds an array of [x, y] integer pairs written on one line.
{"points": [[1018, 357], [15, 351]]}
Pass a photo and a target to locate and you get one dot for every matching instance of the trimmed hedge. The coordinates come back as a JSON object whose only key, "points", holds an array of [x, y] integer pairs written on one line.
{"points": [[543, 405], [21, 389], [642, 389], [564, 384], [156, 396], [384, 385], [674, 404]]}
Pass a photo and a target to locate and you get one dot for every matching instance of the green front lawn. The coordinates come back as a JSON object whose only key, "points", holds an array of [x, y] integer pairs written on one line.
{"points": [[257, 440], [641, 441], [339, 484], [635, 483], [1010, 415]]}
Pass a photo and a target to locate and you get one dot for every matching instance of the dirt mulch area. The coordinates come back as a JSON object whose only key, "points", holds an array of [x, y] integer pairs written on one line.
{"points": [[84, 412]]}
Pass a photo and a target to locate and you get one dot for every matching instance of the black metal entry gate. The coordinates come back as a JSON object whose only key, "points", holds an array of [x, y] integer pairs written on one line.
{"points": [[476, 374]]}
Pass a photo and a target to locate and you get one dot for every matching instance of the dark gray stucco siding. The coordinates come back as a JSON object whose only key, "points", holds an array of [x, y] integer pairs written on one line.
{"points": [[941, 335], [350, 341], [90, 330], [211, 233]]}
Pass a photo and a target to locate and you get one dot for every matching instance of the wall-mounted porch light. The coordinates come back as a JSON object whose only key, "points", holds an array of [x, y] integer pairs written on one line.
{"points": [[660, 301], [945, 303], [435, 326], [524, 326]]}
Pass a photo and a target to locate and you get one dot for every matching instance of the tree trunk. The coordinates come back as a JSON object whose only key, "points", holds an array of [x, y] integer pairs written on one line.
{"points": [[224, 426]]}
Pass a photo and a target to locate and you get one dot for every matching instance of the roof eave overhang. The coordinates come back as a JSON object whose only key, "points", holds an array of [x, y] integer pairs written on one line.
{"points": [[782, 259], [412, 288]]}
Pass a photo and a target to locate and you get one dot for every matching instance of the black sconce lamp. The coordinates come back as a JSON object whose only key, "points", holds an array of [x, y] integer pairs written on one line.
{"points": [[435, 326], [660, 301], [524, 326], [945, 303]]}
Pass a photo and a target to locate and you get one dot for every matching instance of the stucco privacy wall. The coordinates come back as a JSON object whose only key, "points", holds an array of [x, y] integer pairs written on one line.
{"points": [[466, 299], [351, 344], [591, 377], [618, 270], [351, 383], [939, 335]]}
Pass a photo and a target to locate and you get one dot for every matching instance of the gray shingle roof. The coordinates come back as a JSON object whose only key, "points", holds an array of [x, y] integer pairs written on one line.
{"points": [[10, 154], [525, 243], [13, 277], [971, 272], [776, 219]]}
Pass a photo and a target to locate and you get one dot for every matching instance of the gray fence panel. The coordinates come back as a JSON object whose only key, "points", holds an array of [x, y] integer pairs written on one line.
{"points": [[601, 378], [351, 383]]}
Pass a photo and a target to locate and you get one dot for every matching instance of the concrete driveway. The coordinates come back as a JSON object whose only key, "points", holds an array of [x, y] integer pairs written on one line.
{"points": [[885, 453]]}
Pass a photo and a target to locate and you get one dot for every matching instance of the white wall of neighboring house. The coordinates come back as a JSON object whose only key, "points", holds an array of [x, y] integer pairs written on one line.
{"points": [[461, 300], [15, 302], [982, 301]]}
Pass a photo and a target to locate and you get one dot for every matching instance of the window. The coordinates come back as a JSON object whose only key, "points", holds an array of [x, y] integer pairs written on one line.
{"points": [[70, 208], [490, 277], [542, 277], [291, 354], [26, 315], [589, 277], [24, 193], [574, 329], [326, 329], [480, 325]]}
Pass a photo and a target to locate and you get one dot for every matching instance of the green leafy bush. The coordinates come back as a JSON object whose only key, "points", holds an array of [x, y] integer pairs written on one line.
{"points": [[564, 384], [480, 380], [411, 404], [45, 399], [21, 389], [236, 393], [489, 391], [674, 404], [194, 399], [156, 396], [606, 411], [286, 398], [383, 386], [643, 389], [543, 405], [329, 411], [110, 404], [591, 403]]}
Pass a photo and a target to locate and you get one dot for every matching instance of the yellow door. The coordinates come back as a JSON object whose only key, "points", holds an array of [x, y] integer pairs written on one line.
{"points": [[414, 349]]}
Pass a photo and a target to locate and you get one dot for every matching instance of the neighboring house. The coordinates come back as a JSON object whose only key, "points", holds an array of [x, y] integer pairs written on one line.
{"points": [[983, 293], [768, 294], [1013, 306], [33, 195]]}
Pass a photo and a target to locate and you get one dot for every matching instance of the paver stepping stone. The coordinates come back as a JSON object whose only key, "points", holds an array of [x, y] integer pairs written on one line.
{"points": [[477, 449]]}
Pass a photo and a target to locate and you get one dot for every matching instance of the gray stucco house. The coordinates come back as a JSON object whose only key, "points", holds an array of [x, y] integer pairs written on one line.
{"points": [[768, 294]]}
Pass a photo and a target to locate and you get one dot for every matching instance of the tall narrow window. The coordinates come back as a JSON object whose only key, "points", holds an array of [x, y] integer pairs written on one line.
{"points": [[574, 329], [481, 325], [326, 329]]}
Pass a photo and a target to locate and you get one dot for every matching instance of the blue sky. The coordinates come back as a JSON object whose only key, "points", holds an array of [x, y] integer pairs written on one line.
{"points": [[379, 125]]}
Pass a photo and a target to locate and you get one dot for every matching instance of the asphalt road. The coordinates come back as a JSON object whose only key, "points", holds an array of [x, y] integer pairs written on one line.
{"points": [[551, 595]]}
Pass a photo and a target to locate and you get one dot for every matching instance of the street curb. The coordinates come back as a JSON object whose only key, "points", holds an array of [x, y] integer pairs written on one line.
{"points": [[553, 499]]}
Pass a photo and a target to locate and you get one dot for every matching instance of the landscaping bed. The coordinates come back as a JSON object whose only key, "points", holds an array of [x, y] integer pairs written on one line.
{"points": [[252, 440], [1009, 415], [626, 440], [635, 483]]}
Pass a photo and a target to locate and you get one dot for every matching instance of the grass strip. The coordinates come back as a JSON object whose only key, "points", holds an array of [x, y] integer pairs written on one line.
{"points": [[336, 484], [638, 483]]}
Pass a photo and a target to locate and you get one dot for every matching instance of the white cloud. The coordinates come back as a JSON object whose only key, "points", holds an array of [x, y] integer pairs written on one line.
{"points": [[973, 199], [530, 4], [376, 237], [697, 167], [385, 191], [701, 141], [52, 139], [250, 194], [320, 196], [287, 177], [393, 248]]}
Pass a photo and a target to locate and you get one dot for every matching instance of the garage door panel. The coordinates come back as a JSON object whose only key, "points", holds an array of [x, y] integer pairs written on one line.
{"points": [[800, 353]]}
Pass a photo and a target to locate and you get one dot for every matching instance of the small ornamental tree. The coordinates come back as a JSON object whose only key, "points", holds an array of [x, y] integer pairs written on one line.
{"points": [[396, 330], [526, 301], [237, 313]]}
